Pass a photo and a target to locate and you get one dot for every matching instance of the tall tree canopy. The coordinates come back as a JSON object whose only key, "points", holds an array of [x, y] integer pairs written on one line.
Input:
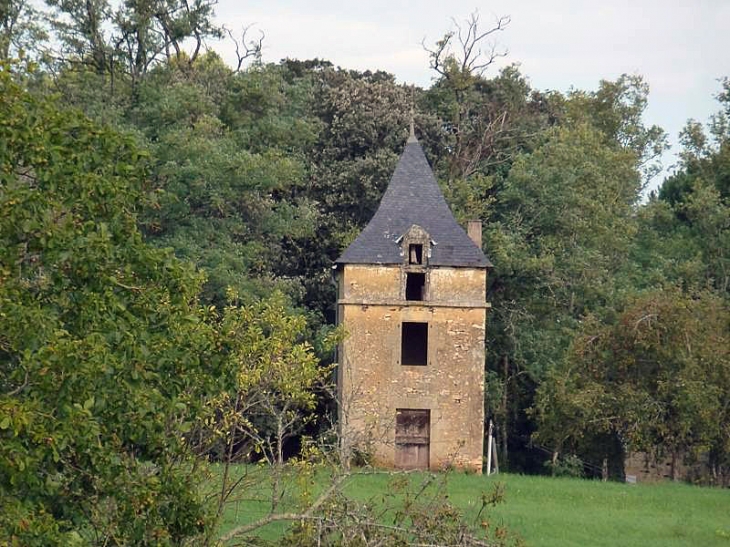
{"points": [[101, 340], [261, 174], [657, 377]]}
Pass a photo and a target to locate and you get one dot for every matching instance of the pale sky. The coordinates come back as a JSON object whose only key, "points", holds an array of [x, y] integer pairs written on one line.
{"points": [[681, 47]]}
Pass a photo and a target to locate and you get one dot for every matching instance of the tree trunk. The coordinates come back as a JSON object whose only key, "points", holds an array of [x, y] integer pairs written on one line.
{"points": [[229, 457], [279, 441]]}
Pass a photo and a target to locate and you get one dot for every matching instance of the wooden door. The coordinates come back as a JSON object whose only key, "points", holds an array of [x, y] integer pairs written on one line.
{"points": [[412, 438]]}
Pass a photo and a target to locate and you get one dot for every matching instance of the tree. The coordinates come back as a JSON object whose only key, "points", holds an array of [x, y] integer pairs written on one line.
{"points": [[360, 122], [694, 205], [270, 392], [468, 39], [20, 29], [656, 377], [562, 236], [81, 28], [616, 110], [149, 29], [277, 376], [705, 154], [104, 353], [226, 174], [133, 37], [460, 59]]}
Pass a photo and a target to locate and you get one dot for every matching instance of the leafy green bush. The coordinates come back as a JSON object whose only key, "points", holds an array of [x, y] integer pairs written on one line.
{"points": [[569, 465]]}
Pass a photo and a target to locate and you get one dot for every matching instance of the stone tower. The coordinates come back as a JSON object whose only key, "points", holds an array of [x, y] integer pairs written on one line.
{"points": [[411, 296]]}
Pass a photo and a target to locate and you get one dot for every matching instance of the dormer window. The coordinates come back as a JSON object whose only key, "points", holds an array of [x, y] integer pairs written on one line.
{"points": [[415, 254], [415, 245]]}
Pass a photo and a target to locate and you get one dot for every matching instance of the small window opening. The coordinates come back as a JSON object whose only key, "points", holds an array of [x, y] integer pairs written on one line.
{"points": [[415, 254], [415, 286], [414, 344]]}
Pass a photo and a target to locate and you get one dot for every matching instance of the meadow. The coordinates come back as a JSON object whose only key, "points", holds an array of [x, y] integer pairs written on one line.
{"points": [[544, 511]]}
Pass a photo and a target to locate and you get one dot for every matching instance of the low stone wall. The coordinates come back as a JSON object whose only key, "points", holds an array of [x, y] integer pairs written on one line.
{"points": [[646, 467]]}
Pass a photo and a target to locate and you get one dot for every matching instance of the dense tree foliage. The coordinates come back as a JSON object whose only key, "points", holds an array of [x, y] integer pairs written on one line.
{"points": [[165, 262], [655, 376], [650, 369], [109, 366], [101, 342]]}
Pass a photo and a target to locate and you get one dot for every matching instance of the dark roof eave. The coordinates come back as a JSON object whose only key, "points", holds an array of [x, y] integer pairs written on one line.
{"points": [[486, 265]]}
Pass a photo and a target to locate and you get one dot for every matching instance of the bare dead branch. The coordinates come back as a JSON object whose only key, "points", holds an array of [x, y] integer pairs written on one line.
{"points": [[474, 59], [439, 54], [475, 54], [246, 49], [308, 514]]}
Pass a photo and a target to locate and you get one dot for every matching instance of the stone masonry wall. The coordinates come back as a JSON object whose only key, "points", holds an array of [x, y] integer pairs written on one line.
{"points": [[372, 381]]}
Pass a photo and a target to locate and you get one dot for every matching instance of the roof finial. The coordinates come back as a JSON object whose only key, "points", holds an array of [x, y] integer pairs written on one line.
{"points": [[412, 134]]}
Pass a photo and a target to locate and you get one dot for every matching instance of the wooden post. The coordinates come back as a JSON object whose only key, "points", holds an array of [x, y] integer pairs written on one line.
{"points": [[489, 449], [503, 428], [604, 470], [496, 459]]}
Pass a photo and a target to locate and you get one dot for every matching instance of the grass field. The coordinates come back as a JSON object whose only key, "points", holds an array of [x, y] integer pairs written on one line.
{"points": [[551, 512]]}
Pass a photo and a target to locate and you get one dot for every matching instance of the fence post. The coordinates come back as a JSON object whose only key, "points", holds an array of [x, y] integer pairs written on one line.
{"points": [[489, 449]]}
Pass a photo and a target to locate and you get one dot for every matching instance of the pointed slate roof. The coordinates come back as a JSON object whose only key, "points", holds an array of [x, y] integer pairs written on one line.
{"points": [[414, 197]]}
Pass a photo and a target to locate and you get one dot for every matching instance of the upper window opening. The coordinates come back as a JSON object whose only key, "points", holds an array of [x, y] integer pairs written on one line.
{"points": [[414, 344], [415, 254], [415, 286]]}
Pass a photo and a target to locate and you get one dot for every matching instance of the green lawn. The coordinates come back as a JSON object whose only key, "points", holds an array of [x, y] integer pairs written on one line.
{"points": [[569, 512], [548, 511]]}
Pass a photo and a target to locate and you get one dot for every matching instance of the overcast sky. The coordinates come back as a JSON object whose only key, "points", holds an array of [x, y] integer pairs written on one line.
{"points": [[681, 47]]}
